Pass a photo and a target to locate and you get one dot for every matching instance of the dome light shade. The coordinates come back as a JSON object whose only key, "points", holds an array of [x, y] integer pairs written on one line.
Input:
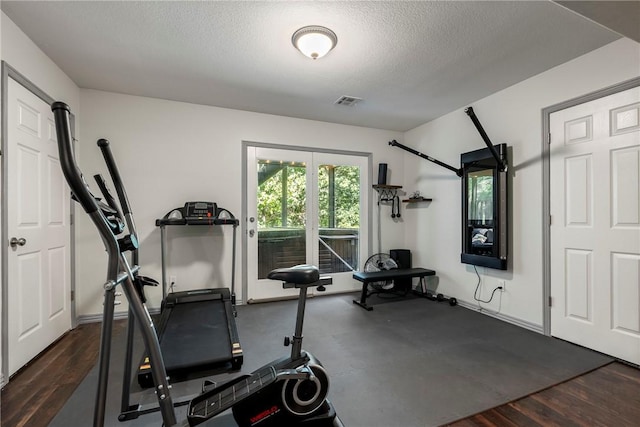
{"points": [[314, 41]]}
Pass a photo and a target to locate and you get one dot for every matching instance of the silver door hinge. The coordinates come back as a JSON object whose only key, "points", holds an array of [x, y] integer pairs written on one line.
{"points": [[550, 301], [73, 295]]}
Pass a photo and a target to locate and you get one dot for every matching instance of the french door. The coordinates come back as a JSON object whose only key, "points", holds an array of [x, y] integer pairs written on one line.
{"points": [[304, 207]]}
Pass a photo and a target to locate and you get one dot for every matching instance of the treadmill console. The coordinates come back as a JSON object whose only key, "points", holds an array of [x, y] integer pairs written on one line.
{"points": [[199, 210], [198, 213]]}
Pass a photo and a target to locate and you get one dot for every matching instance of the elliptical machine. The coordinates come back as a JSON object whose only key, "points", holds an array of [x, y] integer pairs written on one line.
{"points": [[290, 391]]}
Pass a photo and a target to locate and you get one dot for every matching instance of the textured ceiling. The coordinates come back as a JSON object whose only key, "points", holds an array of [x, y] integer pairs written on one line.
{"points": [[410, 61]]}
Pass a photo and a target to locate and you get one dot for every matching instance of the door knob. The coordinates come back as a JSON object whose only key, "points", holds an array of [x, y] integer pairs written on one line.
{"points": [[251, 233], [17, 242]]}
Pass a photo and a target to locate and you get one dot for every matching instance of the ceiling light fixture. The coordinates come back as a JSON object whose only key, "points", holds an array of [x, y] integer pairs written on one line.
{"points": [[314, 41]]}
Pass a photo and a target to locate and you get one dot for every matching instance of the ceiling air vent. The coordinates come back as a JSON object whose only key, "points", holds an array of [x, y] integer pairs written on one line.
{"points": [[348, 101]]}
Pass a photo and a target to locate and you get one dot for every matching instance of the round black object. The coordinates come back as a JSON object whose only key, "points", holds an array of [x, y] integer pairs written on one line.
{"points": [[440, 297], [453, 301], [302, 397]]}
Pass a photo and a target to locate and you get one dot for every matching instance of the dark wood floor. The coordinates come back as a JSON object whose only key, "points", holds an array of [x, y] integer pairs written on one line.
{"points": [[38, 391], [609, 396]]}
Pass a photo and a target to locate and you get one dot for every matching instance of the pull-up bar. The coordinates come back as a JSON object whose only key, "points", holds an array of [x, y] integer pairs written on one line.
{"points": [[395, 143], [502, 165]]}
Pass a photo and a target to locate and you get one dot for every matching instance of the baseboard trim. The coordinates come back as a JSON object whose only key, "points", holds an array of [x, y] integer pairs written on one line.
{"points": [[504, 317]]}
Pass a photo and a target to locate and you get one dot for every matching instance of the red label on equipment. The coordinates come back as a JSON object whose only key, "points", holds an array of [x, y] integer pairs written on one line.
{"points": [[264, 415]]}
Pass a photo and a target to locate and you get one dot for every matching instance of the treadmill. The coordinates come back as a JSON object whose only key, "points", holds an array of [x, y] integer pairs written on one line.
{"points": [[196, 329]]}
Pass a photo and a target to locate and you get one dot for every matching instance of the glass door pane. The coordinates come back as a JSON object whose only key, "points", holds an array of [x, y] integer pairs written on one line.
{"points": [[278, 188], [338, 218], [282, 212], [341, 205]]}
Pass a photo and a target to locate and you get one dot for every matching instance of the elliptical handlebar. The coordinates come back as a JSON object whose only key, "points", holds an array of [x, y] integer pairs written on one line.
{"points": [[120, 191], [79, 188], [108, 197], [116, 259], [115, 175], [61, 113]]}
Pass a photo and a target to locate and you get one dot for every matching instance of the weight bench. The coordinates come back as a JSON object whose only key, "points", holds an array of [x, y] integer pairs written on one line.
{"points": [[394, 274]]}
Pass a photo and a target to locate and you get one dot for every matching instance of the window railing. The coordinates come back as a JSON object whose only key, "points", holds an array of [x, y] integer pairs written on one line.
{"points": [[286, 247]]}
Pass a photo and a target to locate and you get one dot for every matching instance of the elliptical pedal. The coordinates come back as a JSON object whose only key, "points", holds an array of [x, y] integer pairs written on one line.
{"points": [[221, 398]]}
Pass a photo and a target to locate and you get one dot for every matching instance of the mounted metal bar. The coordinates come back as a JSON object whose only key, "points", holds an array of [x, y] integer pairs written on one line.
{"points": [[395, 143], [502, 165]]}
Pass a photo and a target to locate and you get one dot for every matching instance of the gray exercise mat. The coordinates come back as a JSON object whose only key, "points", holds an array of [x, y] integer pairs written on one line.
{"points": [[410, 362]]}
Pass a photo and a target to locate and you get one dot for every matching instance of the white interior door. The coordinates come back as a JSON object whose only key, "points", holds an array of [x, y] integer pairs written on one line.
{"points": [[37, 203], [312, 211], [595, 224]]}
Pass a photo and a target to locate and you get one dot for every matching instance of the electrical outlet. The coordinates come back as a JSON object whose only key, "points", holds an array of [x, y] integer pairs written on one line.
{"points": [[503, 283], [173, 282]]}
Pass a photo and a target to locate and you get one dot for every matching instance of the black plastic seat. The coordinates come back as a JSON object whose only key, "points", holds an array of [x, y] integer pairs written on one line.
{"points": [[299, 274]]}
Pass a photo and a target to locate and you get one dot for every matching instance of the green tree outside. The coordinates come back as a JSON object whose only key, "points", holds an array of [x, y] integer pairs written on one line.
{"points": [[346, 194]]}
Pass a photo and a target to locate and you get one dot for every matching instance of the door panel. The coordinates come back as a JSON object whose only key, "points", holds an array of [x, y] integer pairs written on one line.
{"points": [[37, 212], [595, 228], [278, 240], [303, 226], [342, 243]]}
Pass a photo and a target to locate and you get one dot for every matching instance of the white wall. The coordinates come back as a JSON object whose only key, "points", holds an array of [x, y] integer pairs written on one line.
{"points": [[170, 152], [512, 116], [23, 55]]}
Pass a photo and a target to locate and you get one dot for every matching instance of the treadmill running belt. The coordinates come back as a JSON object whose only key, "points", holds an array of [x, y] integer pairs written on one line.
{"points": [[196, 334]]}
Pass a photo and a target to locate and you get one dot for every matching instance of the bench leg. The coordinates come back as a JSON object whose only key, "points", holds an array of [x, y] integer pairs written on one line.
{"points": [[363, 298], [423, 292]]}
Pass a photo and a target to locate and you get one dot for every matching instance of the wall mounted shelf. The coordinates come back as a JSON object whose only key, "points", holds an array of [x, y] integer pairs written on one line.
{"points": [[417, 200], [386, 192]]}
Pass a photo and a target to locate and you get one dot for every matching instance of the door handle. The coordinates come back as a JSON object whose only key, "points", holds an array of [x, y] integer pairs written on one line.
{"points": [[17, 242], [251, 233]]}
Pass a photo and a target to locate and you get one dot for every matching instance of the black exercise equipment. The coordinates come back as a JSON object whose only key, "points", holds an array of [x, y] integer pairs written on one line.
{"points": [[286, 392], [484, 237], [196, 329], [208, 314], [500, 159], [211, 344], [298, 382], [386, 276]]}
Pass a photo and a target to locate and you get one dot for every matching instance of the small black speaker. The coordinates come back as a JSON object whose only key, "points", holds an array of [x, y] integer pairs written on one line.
{"points": [[382, 174], [402, 257]]}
